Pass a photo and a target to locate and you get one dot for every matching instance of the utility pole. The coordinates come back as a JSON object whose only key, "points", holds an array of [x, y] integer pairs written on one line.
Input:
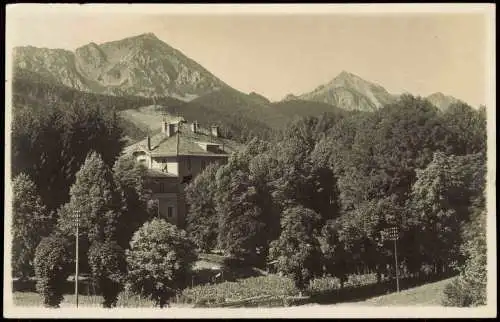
{"points": [[393, 235], [76, 259], [396, 258]]}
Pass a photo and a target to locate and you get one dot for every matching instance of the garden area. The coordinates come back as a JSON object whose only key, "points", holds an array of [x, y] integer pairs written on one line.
{"points": [[267, 291]]}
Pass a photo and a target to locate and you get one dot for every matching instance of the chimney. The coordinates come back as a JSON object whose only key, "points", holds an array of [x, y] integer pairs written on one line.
{"points": [[194, 127], [215, 130], [149, 142]]}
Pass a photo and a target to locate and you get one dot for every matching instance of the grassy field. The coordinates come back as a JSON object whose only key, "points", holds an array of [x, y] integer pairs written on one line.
{"points": [[425, 295], [269, 287], [429, 294], [27, 299], [146, 117]]}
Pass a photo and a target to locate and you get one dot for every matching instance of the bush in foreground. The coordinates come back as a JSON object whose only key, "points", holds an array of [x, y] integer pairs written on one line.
{"points": [[107, 262], [159, 260], [262, 286], [469, 289], [52, 268]]}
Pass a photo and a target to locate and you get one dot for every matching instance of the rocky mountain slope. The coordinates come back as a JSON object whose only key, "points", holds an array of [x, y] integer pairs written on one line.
{"points": [[350, 92], [140, 65], [442, 101], [145, 66]]}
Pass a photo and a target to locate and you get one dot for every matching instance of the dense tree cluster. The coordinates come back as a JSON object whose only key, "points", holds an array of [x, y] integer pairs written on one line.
{"points": [[109, 205], [326, 187], [36, 94], [50, 145], [311, 199], [66, 164]]}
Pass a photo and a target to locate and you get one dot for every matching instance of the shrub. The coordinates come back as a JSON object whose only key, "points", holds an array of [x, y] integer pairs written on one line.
{"points": [[159, 260], [107, 263], [52, 268], [457, 293], [262, 286]]}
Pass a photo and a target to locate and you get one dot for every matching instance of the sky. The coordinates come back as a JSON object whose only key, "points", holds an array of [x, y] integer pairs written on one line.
{"points": [[277, 54]]}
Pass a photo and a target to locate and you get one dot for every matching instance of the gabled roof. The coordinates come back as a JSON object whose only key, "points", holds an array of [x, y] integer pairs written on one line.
{"points": [[185, 142]]}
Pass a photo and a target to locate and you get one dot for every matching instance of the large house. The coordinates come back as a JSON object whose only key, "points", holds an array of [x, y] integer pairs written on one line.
{"points": [[173, 157]]}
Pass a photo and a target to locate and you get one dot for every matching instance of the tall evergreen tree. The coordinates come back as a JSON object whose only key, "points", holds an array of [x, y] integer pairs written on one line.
{"points": [[129, 178], [31, 222], [202, 218]]}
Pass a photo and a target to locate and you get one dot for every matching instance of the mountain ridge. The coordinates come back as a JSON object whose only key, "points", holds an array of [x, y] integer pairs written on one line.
{"points": [[352, 92], [144, 65], [137, 65]]}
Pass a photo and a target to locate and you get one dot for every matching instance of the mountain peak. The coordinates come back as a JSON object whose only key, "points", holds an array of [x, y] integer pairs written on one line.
{"points": [[350, 91], [437, 94], [345, 73], [344, 76], [147, 35], [441, 100]]}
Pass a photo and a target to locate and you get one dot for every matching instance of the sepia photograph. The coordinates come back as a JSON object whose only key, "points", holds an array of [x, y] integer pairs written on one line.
{"points": [[245, 161]]}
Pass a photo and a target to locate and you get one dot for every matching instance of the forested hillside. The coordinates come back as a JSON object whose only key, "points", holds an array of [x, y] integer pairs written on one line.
{"points": [[320, 195], [36, 93]]}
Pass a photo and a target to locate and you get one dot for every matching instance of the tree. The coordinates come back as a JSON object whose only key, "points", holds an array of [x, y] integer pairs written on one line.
{"points": [[51, 143], [240, 218], [52, 268], [297, 250], [469, 288], [108, 266], [335, 255], [467, 128], [31, 222], [440, 202], [94, 196], [202, 218], [159, 259], [303, 174], [128, 176]]}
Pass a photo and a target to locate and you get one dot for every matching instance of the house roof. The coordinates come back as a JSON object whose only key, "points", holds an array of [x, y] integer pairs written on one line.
{"points": [[184, 142]]}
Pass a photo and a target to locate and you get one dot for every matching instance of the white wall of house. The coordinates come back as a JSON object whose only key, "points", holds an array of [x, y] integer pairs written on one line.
{"points": [[168, 164], [173, 167], [168, 206]]}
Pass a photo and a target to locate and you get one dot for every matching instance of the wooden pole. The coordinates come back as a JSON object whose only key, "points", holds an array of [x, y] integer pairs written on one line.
{"points": [[76, 260], [396, 259]]}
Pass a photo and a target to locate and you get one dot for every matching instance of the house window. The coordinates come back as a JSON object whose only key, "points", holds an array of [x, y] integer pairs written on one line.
{"points": [[189, 164], [162, 187], [170, 212]]}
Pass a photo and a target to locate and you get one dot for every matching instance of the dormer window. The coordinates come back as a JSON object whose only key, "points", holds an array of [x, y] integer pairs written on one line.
{"points": [[210, 147]]}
